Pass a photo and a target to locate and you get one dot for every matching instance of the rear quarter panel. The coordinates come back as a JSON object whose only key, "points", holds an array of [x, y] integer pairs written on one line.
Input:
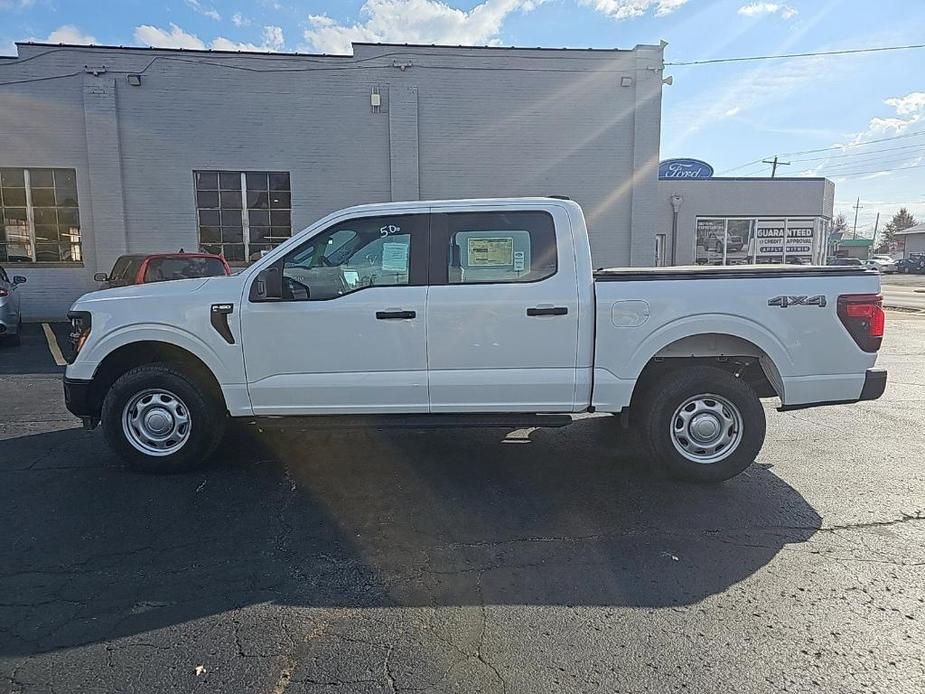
{"points": [[810, 355]]}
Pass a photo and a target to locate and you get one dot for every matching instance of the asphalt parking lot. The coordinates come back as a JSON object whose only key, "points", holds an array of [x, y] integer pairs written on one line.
{"points": [[465, 560]]}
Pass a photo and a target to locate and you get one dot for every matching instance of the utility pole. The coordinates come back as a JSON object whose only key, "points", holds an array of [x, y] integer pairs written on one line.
{"points": [[774, 164], [876, 226], [857, 206]]}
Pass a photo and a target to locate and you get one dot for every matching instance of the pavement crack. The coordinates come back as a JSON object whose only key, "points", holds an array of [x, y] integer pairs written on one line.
{"points": [[481, 641], [387, 668], [919, 515]]}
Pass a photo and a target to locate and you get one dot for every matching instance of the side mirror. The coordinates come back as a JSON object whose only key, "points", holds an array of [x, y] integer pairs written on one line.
{"points": [[19, 279], [100, 277]]}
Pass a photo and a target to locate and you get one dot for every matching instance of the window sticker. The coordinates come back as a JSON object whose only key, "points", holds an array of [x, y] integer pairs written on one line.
{"points": [[518, 261], [395, 257], [497, 252]]}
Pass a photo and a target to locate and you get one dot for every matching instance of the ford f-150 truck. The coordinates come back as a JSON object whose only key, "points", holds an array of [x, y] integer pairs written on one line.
{"points": [[462, 311]]}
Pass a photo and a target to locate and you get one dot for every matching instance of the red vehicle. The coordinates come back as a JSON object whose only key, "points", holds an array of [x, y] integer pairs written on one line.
{"points": [[161, 267]]}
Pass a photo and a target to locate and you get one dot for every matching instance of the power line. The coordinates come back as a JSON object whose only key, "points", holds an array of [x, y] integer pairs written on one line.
{"points": [[834, 147], [889, 161], [849, 51], [858, 144], [860, 154], [865, 173]]}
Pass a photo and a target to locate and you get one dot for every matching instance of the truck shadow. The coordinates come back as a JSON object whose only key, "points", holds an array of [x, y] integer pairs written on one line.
{"points": [[369, 518]]}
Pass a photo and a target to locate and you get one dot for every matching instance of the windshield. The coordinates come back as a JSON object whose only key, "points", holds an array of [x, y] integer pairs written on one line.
{"points": [[163, 269]]}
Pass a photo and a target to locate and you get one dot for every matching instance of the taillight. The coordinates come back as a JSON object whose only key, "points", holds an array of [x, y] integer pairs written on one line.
{"points": [[863, 318], [3, 293]]}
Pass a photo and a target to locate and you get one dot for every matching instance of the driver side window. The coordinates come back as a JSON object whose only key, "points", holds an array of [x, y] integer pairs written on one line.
{"points": [[356, 254]]}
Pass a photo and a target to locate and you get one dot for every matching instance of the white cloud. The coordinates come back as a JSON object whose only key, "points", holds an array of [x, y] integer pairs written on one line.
{"points": [[627, 9], [757, 9], [273, 40], [159, 38], [199, 8], [239, 20], [910, 113], [913, 102], [273, 37], [414, 21], [853, 157], [732, 111], [68, 33]]}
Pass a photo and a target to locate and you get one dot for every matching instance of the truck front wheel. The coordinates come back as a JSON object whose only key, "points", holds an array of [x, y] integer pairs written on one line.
{"points": [[159, 420], [702, 424]]}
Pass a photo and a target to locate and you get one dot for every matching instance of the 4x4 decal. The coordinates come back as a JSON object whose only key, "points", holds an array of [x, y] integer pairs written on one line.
{"points": [[786, 301]]}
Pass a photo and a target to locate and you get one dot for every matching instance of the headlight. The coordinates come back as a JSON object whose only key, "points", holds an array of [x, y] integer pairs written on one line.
{"points": [[80, 331]]}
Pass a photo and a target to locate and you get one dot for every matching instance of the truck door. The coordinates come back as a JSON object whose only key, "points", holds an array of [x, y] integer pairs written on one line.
{"points": [[348, 336], [502, 312]]}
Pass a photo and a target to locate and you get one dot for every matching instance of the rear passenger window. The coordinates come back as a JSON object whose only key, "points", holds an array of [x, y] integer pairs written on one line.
{"points": [[500, 247]]}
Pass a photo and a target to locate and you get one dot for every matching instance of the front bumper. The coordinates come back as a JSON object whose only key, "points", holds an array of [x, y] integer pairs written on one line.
{"points": [[874, 385], [79, 400]]}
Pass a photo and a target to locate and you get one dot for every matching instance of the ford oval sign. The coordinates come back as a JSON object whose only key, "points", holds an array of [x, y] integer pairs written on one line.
{"points": [[684, 168]]}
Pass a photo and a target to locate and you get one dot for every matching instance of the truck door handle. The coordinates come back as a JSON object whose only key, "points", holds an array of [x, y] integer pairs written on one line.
{"points": [[547, 311], [395, 315]]}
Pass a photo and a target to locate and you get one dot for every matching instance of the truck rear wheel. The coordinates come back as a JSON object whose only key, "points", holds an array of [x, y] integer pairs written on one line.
{"points": [[702, 424], [159, 420]]}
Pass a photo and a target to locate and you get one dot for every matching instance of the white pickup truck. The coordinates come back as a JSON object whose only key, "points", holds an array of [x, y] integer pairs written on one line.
{"points": [[480, 312]]}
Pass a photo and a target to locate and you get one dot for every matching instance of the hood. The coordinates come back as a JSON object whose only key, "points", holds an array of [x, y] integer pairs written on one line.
{"points": [[167, 290]]}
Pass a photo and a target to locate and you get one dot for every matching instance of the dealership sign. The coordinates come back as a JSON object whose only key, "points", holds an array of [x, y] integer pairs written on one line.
{"points": [[684, 168]]}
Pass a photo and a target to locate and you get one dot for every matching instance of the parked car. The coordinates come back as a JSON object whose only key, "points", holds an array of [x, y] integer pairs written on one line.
{"points": [[845, 262], [465, 312], [734, 243], [10, 307], [160, 267], [881, 263], [915, 263]]}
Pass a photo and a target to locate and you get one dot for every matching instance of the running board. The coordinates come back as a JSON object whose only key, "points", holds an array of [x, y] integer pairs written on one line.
{"points": [[414, 421]]}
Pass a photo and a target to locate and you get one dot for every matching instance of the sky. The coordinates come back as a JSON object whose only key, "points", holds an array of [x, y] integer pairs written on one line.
{"points": [[856, 119]]}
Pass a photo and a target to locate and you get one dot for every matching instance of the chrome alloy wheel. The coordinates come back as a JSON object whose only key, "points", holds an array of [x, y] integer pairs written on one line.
{"points": [[706, 428], [156, 422]]}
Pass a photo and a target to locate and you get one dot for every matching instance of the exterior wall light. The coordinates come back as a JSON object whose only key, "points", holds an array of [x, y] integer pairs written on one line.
{"points": [[134, 80]]}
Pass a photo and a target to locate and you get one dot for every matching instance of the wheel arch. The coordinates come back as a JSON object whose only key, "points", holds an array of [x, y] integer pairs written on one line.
{"points": [[753, 355], [132, 354]]}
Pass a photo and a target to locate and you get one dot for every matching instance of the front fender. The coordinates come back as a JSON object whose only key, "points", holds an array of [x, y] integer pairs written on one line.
{"points": [[95, 351]]}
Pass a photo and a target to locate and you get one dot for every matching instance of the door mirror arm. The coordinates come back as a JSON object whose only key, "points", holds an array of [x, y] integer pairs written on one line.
{"points": [[268, 286]]}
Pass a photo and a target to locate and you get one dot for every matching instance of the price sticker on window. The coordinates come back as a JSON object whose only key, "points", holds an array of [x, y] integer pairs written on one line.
{"points": [[395, 257], [491, 252]]}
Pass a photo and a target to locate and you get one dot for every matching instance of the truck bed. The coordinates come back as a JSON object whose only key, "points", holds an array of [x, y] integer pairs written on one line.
{"points": [[703, 272], [783, 315]]}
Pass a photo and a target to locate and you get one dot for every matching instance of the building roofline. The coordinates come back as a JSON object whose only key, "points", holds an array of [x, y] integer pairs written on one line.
{"points": [[502, 48], [213, 51]]}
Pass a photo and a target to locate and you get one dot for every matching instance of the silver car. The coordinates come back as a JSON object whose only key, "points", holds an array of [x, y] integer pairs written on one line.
{"points": [[10, 305]]}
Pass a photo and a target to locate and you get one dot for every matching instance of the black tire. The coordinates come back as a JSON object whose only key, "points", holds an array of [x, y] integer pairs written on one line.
{"points": [[206, 416], [664, 396]]}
